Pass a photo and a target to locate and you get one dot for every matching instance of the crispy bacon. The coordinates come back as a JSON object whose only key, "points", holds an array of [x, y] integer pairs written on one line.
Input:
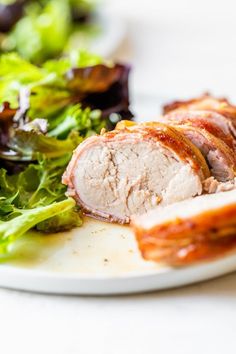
{"points": [[205, 102], [197, 229]]}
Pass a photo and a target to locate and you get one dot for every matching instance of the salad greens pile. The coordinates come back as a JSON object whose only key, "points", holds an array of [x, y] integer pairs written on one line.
{"points": [[35, 197], [41, 29], [45, 112]]}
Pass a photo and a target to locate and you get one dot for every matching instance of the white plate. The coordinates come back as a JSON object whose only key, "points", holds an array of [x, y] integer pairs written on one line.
{"points": [[99, 258]]}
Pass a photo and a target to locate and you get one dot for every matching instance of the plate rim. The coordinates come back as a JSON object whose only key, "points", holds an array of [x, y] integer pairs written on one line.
{"points": [[67, 283]]}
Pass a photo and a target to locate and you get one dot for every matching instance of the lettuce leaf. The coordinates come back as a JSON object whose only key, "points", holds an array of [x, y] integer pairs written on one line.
{"points": [[26, 146], [74, 118], [39, 184], [62, 222], [55, 90], [43, 32], [12, 229], [96, 78], [20, 141], [15, 73], [78, 79], [36, 198], [6, 122], [10, 12], [27, 25]]}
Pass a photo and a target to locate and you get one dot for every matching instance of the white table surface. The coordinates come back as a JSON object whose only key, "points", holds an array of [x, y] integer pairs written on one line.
{"points": [[177, 48]]}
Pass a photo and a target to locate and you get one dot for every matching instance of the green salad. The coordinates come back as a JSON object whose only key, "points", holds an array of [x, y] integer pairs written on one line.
{"points": [[45, 112], [43, 29]]}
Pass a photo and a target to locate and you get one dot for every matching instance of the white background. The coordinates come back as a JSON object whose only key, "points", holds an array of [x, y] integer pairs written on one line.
{"points": [[177, 48], [181, 47]]}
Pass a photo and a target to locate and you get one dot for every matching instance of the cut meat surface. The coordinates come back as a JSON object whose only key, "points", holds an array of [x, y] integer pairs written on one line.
{"points": [[131, 170], [188, 231]]}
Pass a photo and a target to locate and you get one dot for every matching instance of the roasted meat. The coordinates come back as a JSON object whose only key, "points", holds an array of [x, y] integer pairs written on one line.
{"points": [[132, 169], [206, 103], [220, 158], [216, 124], [196, 229]]}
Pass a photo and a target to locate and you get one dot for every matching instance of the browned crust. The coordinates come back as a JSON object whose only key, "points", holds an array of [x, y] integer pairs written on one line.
{"points": [[169, 137], [106, 217], [183, 241], [204, 120], [217, 144], [204, 102]]}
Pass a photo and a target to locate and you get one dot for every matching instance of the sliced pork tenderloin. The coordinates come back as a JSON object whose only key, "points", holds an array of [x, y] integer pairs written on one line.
{"points": [[221, 159], [206, 103], [196, 229], [216, 124], [131, 170]]}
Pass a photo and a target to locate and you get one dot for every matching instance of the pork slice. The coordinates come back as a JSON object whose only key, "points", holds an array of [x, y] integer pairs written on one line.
{"points": [[216, 124], [188, 231], [220, 158], [205, 102], [130, 171]]}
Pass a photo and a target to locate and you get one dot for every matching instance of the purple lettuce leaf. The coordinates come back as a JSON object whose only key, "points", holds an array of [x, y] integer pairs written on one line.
{"points": [[102, 87], [10, 14]]}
